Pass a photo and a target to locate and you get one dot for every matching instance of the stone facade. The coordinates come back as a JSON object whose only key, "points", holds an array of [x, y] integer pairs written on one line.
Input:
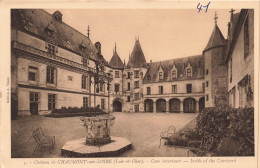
{"points": [[53, 66], [240, 61]]}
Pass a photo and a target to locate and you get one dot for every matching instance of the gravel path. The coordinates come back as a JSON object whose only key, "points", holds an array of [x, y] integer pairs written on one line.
{"points": [[142, 129]]}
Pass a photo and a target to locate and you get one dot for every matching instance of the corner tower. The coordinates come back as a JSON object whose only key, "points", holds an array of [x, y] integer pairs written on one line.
{"points": [[134, 74], [215, 69]]}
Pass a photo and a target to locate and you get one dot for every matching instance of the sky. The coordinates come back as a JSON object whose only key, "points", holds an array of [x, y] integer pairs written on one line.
{"points": [[163, 33]]}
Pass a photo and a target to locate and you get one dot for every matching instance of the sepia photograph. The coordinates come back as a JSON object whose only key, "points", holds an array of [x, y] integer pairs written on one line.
{"points": [[99, 83]]}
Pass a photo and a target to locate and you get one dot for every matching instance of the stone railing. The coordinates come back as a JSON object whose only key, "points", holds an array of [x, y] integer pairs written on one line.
{"points": [[44, 54]]}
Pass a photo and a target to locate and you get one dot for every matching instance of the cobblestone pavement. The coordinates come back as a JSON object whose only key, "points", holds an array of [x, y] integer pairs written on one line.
{"points": [[142, 129]]}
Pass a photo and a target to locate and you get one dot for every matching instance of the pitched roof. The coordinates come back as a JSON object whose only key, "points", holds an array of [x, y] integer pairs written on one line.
{"points": [[216, 39], [116, 61], [236, 29], [37, 21], [137, 58], [196, 62]]}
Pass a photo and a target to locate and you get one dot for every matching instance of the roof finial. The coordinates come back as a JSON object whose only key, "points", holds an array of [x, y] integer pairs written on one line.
{"points": [[115, 46], [216, 17], [231, 16], [88, 31]]}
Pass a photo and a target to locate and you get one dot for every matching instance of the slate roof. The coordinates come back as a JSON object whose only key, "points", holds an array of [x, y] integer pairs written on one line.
{"points": [[137, 58], [37, 21], [238, 21], [216, 39], [116, 61], [196, 62]]}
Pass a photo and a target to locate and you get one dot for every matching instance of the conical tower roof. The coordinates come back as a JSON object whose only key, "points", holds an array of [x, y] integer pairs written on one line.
{"points": [[216, 39], [137, 58], [116, 61]]}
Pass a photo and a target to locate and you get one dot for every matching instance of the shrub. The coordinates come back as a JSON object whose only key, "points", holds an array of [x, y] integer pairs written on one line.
{"points": [[76, 110], [241, 128], [220, 122]]}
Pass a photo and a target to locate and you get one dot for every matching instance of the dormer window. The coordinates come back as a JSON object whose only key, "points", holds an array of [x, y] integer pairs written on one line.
{"points": [[174, 74], [188, 72], [49, 30], [57, 15], [85, 61], [82, 47], [51, 49], [160, 75]]}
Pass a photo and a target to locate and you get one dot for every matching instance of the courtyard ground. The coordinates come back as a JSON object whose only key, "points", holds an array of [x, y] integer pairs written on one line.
{"points": [[142, 129]]}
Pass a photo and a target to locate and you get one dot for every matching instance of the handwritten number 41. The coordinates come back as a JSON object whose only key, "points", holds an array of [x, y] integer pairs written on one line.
{"points": [[199, 7]]}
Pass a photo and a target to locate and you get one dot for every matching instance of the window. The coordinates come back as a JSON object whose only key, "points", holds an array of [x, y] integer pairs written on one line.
{"points": [[160, 76], [137, 108], [84, 61], [70, 78], [189, 88], [174, 88], [136, 74], [203, 87], [230, 79], [160, 89], [128, 98], [207, 84], [85, 102], [136, 96], [116, 87], [188, 72], [33, 73], [51, 101], [128, 75], [128, 86], [246, 38], [51, 49], [116, 74], [207, 97], [101, 87], [51, 73], [102, 104], [136, 84], [207, 71], [84, 82], [34, 97], [174, 74], [148, 90]]}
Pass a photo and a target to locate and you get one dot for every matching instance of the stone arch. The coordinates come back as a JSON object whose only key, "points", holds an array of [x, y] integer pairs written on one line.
{"points": [[174, 105], [148, 105], [189, 105], [160, 105], [117, 105]]}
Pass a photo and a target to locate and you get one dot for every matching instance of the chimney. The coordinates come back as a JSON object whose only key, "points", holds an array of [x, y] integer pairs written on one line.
{"points": [[98, 47], [151, 61], [57, 15]]}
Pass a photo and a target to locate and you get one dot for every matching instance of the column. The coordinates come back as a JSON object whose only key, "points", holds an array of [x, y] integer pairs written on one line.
{"points": [[154, 107], [167, 106], [181, 108], [197, 106]]}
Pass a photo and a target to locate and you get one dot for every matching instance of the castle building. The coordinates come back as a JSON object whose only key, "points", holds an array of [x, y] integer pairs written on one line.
{"points": [[240, 59], [53, 66]]}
